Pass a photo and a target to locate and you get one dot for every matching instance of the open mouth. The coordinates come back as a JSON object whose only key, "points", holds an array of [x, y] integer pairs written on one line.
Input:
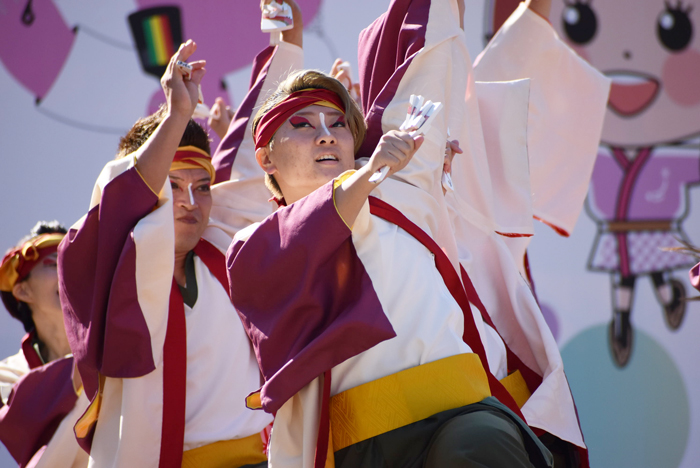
{"points": [[327, 158], [631, 92]]}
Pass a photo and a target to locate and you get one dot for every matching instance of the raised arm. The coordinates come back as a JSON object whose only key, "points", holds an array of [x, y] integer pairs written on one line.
{"points": [[296, 34], [156, 155], [98, 256], [409, 50]]}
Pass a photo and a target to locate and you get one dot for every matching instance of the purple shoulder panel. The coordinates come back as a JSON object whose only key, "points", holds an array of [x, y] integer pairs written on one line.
{"points": [[225, 154], [97, 278], [386, 49], [303, 295], [38, 403]]}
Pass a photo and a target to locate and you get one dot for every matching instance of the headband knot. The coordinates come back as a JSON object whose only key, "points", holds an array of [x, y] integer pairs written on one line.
{"points": [[19, 261]]}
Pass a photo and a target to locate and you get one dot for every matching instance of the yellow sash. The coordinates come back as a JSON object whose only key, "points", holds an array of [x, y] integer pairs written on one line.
{"points": [[405, 397], [516, 386], [226, 454], [87, 421], [411, 395]]}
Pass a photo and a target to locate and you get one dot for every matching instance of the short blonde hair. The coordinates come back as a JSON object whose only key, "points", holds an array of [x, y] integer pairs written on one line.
{"points": [[312, 79]]}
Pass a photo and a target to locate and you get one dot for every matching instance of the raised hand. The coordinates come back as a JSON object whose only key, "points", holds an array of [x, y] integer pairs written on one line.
{"points": [[155, 156], [341, 72], [220, 118], [182, 94], [395, 150], [451, 148], [296, 34]]}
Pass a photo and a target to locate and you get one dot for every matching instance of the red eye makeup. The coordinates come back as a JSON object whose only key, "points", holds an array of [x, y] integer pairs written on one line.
{"points": [[298, 121]]}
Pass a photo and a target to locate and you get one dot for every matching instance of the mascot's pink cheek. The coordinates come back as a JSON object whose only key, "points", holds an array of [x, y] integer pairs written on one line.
{"points": [[681, 78]]}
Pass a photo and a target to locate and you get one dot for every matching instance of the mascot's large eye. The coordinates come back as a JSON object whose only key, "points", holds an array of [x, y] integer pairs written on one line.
{"points": [[674, 28], [580, 22]]}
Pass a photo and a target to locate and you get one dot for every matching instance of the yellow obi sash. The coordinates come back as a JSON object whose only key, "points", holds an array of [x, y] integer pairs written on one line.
{"points": [[405, 397], [516, 386], [226, 454]]}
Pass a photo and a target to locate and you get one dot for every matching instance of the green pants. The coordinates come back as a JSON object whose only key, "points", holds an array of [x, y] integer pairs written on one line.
{"points": [[484, 434]]}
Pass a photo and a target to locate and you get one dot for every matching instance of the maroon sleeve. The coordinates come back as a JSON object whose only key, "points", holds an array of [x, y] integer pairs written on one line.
{"points": [[97, 282], [303, 295], [386, 49], [694, 275], [225, 154], [38, 403]]}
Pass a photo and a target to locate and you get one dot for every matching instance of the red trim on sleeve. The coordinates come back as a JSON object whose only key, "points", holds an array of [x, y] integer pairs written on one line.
{"points": [[512, 234], [457, 290], [324, 425], [557, 229]]}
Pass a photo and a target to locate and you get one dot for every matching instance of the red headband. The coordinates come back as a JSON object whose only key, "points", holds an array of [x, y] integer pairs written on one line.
{"points": [[19, 262], [275, 117]]}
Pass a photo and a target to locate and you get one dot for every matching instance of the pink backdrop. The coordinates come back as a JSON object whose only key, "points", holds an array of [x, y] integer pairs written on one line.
{"points": [[71, 83]]}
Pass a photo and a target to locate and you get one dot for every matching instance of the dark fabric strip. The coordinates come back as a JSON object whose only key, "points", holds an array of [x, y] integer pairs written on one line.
{"points": [[322, 440], [214, 260], [409, 446], [190, 291]]}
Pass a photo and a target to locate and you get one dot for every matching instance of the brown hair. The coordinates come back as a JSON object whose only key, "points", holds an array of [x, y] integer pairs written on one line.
{"points": [[306, 79], [194, 134]]}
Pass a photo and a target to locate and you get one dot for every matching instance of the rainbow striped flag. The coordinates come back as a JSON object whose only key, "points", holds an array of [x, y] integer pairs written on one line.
{"points": [[157, 33], [159, 39]]}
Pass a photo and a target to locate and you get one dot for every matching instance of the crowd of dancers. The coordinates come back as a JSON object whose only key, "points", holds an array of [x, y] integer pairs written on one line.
{"points": [[339, 283]]}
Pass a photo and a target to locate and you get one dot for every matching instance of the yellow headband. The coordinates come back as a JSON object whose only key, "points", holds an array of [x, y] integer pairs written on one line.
{"points": [[191, 157]]}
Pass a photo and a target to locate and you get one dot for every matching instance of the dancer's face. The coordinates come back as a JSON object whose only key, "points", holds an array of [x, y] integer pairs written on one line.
{"points": [[40, 289], [308, 150], [191, 219]]}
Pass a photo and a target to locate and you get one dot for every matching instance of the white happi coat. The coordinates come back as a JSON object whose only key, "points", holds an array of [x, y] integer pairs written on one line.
{"points": [[530, 138], [221, 366]]}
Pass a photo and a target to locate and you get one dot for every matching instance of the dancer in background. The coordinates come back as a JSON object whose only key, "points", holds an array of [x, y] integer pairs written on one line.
{"points": [[41, 395], [163, 355]]}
